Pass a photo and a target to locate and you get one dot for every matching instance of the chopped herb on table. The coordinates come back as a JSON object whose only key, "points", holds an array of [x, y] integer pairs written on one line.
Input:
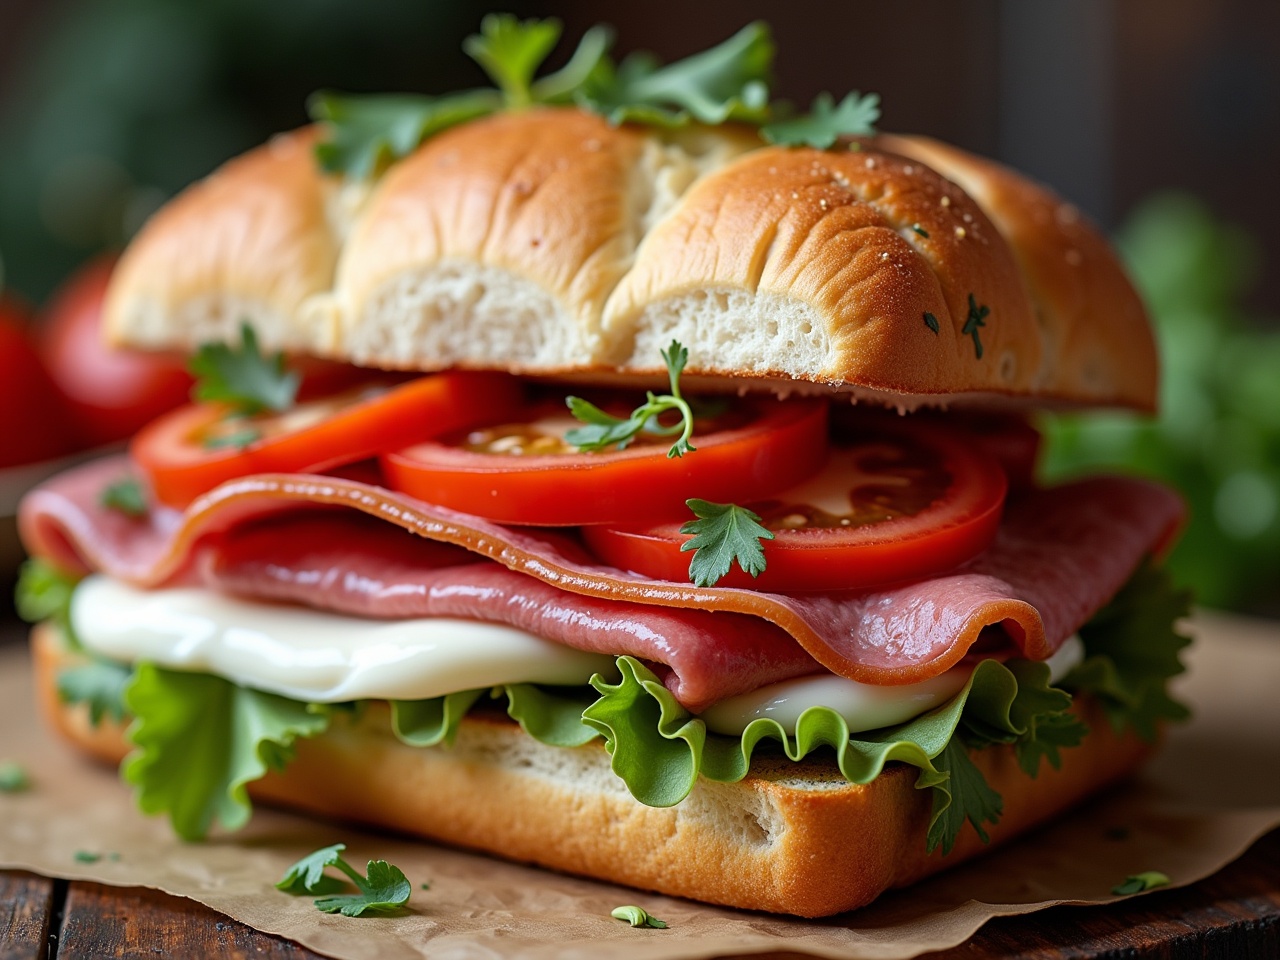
{"points": [[13, 778], [383, 888], [637, 917], [1141, 883]]}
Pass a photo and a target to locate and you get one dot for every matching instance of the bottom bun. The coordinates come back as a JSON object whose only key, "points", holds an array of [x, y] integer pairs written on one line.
{"points": [[790, 838]]}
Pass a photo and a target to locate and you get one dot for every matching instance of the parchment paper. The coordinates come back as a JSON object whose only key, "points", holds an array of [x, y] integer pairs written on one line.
{"points": [[1198, 806]]}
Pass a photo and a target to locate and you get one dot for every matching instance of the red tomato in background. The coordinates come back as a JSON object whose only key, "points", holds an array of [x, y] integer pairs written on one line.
{"points": [[110, 392], [33, 419]]}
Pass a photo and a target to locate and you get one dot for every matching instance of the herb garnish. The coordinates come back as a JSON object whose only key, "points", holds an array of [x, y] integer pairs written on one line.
{"points": [[100, 685], [855, 116], [977, 318], [243, 378], [931, 321], [1140, 883], [13, 779], [383, 890], [637, 917], [729, 82], [723, 533], [605, 430], [86, 856], [125, 495], [920, 230]]}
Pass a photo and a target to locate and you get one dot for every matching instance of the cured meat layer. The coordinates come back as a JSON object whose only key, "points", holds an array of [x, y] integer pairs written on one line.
{"points": [[1061, 553]]}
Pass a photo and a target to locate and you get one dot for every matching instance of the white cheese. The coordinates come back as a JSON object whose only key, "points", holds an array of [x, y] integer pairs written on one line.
{"points": [[325, 657]]}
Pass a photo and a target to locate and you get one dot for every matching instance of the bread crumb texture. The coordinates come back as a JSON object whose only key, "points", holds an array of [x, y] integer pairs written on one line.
{"points": [[549, 242]]}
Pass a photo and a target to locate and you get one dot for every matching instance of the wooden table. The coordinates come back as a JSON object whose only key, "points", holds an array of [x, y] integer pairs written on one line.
{"points": [[1234, 915]]}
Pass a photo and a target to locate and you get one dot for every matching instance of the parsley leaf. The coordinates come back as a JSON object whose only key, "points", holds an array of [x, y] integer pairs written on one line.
{"points": [[125, 495], [1133, 647], [970, 798], [855, 116], [728, 82], [100, 684], [605, 430], [308, 876], [511, 50], [384, 889], [200, 740], [243, 378], [1140, 883], [365, 133], [13, 779], [723, 533], [637, 917], [587, 62]]}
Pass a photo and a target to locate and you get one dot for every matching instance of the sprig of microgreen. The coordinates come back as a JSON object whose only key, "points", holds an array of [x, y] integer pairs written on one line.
{"points": [[604, 430], [384, 889], [722, 534]]}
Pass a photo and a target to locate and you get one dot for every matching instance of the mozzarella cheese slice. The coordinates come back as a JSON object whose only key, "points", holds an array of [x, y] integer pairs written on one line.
{"points": [[323, 657]]}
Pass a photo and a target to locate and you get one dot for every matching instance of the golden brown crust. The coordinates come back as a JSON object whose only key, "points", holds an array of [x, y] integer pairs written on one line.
{"points": [[793, 839], [251, 241], [1094, 322], [549, 242]]}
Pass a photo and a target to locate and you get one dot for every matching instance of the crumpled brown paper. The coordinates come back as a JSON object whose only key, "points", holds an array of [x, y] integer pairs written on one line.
{"points": [[1199, 805]]}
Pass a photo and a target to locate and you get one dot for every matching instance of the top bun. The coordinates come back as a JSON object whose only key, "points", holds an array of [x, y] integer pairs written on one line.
{"points": [[548, 242]]}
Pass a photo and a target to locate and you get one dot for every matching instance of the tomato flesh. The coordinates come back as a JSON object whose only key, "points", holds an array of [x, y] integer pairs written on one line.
{"points": [[522, 474], [896, 502], [193, 449]]}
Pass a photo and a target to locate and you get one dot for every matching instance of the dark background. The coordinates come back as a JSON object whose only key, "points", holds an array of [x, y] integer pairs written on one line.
{"points": [[107, 108]]}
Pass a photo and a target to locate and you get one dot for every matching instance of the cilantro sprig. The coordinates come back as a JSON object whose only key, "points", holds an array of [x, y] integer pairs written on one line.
{"points": [[727, 83], [243, 377], [604, 430], [722, 534], [383, 887]]}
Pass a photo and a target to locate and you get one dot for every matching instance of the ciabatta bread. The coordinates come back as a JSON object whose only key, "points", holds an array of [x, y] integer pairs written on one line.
{"points": [[549, 242]]}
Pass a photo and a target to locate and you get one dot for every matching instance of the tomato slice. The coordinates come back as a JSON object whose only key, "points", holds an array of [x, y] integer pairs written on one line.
{"points": [[896, 502], [525, 473], [193, 449]]}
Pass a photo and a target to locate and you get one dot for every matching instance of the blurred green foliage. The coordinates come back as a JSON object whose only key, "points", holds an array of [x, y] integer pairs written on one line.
{"points": [[117, 104], [1217, 438]]}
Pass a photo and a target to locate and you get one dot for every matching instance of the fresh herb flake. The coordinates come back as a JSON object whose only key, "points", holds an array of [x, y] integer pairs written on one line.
{"points": [[604, 430], [977, 318], [86, 856], [243, 377], [126, 496], [637, 917], [1140, 883], [722, 534], [13, 778], [920, 230], [827, 122], [931, 322]]}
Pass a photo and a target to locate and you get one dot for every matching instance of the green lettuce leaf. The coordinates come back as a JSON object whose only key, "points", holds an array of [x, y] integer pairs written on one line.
{"points": [[553, 718], [1134, 648], [100, 684], [44, 593], [201, 740], [658, 749]]}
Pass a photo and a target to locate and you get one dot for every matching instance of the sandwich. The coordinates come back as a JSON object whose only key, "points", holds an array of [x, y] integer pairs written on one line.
{"points": [[671, 516]]}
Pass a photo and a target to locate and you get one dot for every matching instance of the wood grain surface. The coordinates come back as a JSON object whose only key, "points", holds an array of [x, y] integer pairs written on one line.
{"points": [[1234, 915]]}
